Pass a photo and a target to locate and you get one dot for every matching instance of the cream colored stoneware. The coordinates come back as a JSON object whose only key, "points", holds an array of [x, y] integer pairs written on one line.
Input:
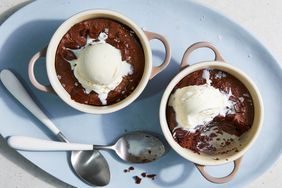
{"points": [[246, 140], [144, 37]]}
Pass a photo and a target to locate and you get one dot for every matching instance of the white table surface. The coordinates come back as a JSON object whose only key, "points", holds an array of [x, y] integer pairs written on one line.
{"points": [[261, 17]]}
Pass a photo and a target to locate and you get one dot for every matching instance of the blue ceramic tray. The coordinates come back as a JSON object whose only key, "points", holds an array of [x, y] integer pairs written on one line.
{"points": [[183, 22]]}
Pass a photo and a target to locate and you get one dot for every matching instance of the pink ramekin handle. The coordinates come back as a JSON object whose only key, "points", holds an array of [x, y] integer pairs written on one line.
{"points": [[156, 70], [31, 75], [193, 47], [220, 180]]}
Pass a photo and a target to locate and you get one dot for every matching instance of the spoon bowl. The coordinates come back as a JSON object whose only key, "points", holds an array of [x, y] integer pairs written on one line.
{"points": [[84, 167], [138, 147]]}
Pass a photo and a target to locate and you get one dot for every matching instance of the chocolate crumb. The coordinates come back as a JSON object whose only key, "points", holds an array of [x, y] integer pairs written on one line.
{"points": [[152, 176], [137, 179], [129, 169], [143, 174]]}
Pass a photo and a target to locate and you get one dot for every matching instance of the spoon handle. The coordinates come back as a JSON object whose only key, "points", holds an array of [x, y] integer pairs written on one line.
{"points": [[102, 147], [35, 144], [15, 87]]}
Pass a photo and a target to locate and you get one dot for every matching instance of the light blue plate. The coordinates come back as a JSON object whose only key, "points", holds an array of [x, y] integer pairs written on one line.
{"points": [[183, 22]]}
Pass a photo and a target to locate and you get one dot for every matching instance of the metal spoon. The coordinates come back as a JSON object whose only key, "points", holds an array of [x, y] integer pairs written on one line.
{"points": [[135, 147], [89, 166]]}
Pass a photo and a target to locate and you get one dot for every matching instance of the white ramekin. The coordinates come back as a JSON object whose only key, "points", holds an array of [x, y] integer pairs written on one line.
{"points": [[50, 52], [246, 140]]}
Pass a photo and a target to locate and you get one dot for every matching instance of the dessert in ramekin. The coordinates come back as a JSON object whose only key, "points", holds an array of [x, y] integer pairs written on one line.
{"points": [[211, 113], [99, 61]]}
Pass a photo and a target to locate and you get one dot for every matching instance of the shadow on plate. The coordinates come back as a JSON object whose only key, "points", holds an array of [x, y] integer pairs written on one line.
{"points": [[17, 50], [161, 80]]}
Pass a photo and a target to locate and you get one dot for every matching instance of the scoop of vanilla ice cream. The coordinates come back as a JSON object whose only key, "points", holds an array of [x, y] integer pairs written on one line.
{"points": [[99, 67], [198, 105], [99, 63]]}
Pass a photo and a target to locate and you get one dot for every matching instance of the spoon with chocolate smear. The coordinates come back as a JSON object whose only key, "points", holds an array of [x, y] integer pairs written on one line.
{"points": [[134, 147]]}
